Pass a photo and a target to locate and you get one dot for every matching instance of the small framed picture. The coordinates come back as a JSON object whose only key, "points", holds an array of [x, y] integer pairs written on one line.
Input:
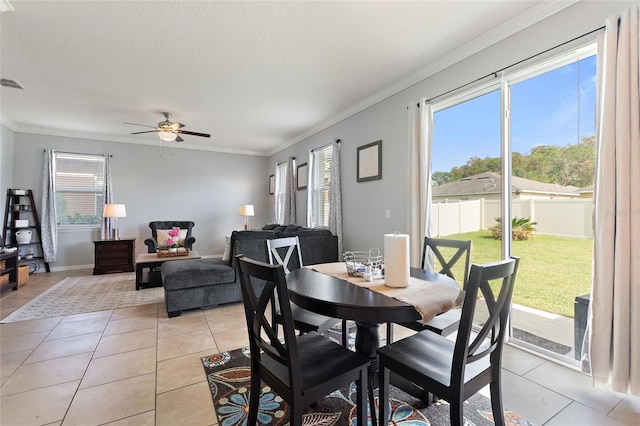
{"points": [[272, 184], [301, 176], [370, 161]]}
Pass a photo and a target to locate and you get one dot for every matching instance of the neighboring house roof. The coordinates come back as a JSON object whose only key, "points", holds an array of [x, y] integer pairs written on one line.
{"points": [[586, 189], [490, 183]]}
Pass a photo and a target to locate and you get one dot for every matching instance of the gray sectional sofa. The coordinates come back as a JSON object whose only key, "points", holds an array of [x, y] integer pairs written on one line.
{"points": [[198, 283]]}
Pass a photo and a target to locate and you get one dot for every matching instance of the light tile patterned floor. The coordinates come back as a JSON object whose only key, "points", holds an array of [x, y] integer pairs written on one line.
{"points": [[135, 366]]}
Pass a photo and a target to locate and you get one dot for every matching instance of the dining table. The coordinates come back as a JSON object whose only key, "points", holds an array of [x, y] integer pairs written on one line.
{"points": [[336, 297]]}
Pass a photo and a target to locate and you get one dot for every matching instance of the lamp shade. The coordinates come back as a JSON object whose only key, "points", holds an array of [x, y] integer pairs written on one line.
{"points": [[114, 210], [246, 210]]}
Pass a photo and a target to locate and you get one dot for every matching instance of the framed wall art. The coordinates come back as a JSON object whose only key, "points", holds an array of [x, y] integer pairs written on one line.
{"points": [[369, 161], [301, 176], [272, 184]]}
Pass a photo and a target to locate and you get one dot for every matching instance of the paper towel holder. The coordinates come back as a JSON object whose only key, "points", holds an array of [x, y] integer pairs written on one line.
{"points": [[397, 265]]}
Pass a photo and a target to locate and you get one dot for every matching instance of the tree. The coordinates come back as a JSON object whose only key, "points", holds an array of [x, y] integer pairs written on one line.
{"points": [[562, 165]]}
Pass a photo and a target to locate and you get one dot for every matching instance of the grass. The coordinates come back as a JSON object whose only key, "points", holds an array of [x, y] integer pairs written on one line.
{"points": [[553, 270]]}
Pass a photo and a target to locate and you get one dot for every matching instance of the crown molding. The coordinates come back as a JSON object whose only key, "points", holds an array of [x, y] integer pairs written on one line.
{"points": [[6, 6], [8, 123]]}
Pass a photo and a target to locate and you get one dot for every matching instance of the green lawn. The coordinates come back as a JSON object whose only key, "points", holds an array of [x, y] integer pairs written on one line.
{"points": [[553, 270]]}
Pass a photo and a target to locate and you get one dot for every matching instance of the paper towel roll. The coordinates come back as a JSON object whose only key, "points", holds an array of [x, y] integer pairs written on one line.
{"points": [[396, 260]]}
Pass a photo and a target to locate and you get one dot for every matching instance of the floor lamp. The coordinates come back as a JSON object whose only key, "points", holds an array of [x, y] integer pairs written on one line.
{"points": [[115, 211]]}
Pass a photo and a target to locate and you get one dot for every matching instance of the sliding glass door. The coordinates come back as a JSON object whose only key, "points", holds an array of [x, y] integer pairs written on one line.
{"points": [[524, 147], [552, 143]]}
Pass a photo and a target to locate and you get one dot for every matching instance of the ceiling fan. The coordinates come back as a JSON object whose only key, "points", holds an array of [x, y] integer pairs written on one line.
{"points": [[168, 131]]}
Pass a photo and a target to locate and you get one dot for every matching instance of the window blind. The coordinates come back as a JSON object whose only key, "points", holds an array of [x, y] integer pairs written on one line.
{"points": [[321, 177], [79, 187]]}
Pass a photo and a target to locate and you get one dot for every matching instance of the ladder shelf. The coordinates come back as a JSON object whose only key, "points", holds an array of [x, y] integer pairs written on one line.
{"points": [[20, 214]]}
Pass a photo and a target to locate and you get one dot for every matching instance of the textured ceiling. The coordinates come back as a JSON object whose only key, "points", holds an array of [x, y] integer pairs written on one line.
{"points": [[258, 76]]}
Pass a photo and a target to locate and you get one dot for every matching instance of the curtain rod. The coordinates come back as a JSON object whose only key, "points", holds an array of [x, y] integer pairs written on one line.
{"points": [[495, 73], [78, 153]]}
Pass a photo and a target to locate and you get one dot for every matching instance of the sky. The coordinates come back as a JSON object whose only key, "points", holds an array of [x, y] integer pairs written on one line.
{"points": [[547, 109]]}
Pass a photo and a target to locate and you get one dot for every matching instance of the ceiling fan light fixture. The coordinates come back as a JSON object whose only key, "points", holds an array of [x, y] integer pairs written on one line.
{"points": [[167, 136]]}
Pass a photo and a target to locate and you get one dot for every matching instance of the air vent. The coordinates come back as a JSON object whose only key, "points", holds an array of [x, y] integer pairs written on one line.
{"points": [[5, 82]]}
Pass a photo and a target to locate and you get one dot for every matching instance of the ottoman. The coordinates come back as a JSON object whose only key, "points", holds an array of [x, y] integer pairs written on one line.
{"points": [[198, 283]]}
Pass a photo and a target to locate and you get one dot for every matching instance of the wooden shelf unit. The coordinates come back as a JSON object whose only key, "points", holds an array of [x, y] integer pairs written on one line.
{"points": [[21, 206]]}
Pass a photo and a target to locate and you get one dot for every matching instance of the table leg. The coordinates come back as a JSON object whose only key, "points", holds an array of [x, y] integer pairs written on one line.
{"points": [[138, 276], [367, 344]]}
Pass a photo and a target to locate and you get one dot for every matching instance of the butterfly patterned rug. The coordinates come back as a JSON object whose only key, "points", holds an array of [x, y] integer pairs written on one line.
{"points": [[229, 375]]}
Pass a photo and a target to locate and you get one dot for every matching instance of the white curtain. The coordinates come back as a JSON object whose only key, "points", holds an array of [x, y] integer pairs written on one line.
{"points": [[614, 313], [335, 196], [420, 142], [290, 194], [311, 188], [49, 220], [108, 223]]}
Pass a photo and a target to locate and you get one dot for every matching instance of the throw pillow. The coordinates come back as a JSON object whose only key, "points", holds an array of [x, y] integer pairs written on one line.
{"points": [[162, 236], [227, 248]]}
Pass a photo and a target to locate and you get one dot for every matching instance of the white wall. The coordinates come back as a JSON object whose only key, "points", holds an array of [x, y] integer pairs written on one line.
{"points": [[364, 203], [172, 184], [6, 164]]}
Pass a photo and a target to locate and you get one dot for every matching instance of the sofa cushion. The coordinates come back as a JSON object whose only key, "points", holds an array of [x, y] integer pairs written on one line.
{"points": [[269, 226], [226, 257], [181, 274]]}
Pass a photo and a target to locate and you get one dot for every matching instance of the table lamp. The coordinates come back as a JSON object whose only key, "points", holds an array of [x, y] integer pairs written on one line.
{"points": [[115, 211], [246, 210]]}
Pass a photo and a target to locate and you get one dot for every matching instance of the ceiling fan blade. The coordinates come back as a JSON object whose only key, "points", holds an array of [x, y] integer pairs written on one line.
{"points": [[178, 139], [176, 125], [186, 132], [136, 124], [146, 131]]}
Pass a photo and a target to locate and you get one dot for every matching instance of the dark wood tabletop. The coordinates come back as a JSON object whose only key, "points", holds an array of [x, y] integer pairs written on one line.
{"points": [[338, 298]]}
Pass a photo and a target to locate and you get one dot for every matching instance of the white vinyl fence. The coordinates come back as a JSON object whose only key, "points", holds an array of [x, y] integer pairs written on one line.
{"points": [[561, 217]]}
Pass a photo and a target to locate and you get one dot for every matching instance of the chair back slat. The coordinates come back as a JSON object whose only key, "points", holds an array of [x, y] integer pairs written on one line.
{"points": [[256, 297], [498, 302], [290, 248], [462, 252]]}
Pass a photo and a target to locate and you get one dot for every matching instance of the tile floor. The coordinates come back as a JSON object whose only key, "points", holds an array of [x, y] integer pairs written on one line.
{"points": [[135, 366]]}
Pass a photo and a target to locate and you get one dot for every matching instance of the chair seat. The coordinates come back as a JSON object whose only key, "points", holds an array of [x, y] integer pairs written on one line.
{"points": [[307, 321], [427, 357], [443, 324], [320, 359]]}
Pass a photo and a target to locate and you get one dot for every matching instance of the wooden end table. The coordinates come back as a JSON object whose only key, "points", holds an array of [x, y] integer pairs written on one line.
{"points": [[150, 261], [113, 255]]}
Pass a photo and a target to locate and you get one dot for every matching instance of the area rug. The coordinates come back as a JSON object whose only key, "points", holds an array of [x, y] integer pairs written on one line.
{"points": [[229, 374], [92, 293]]}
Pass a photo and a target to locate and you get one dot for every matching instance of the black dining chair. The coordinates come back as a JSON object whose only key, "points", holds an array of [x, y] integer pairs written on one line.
{"points": [[299, 369], [455, 370], [286, 251], [447, 254]]}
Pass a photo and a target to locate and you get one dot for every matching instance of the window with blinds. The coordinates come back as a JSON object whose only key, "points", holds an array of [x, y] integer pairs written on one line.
{"points": [[79, 186], [319, 195], [281, 188]]}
